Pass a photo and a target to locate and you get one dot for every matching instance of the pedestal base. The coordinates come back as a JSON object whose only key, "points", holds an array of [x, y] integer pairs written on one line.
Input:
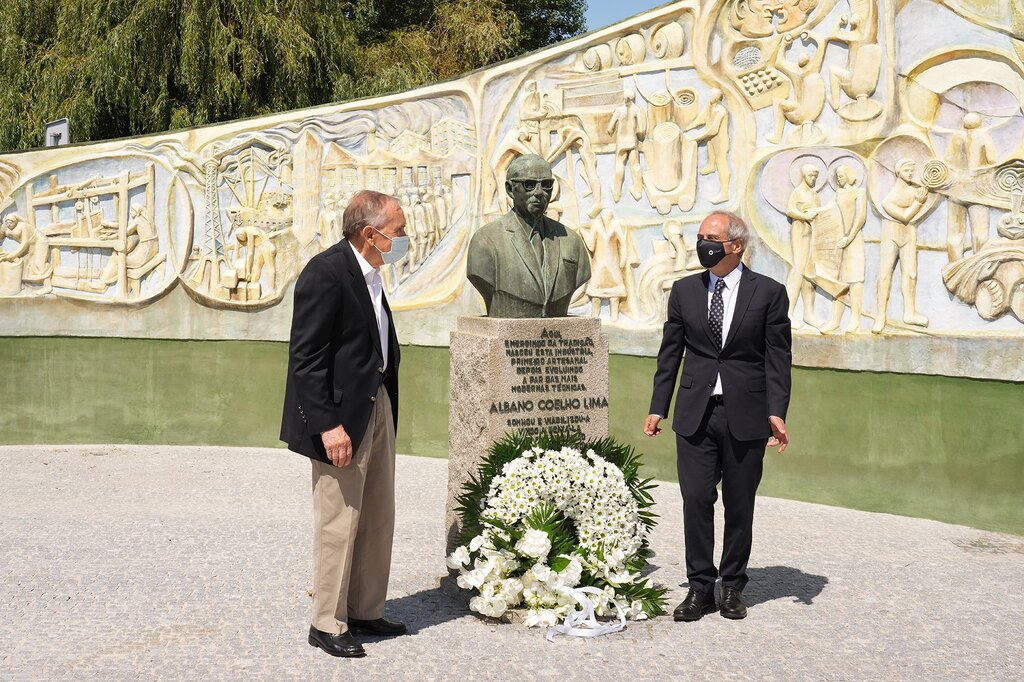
{"points": [[528, 375]]}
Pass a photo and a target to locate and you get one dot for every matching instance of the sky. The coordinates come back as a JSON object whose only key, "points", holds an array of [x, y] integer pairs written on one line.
{"points": [[601, 13]]}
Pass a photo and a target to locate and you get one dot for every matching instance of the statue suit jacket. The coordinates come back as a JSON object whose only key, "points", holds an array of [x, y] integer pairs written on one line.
{"points": [[754, 360], [335, 364], [501, 258]]}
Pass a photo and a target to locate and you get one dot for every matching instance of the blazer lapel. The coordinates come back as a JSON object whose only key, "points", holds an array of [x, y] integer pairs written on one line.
{"points": [[552, 258], [704, 278], [517, 231], [748, 283], [362, 293], [392, 332]]}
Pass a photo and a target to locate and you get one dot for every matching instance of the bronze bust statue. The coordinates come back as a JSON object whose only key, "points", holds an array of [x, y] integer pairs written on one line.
{"points": [[525, 264]]}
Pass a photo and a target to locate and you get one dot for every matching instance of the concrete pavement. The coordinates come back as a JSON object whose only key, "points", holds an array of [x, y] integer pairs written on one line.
{"points": [[128, 562]]}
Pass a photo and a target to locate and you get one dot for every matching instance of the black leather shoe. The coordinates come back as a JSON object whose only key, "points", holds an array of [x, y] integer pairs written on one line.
{"points": [[732, 604], [377, 627], [695, 606], [344, 645]]}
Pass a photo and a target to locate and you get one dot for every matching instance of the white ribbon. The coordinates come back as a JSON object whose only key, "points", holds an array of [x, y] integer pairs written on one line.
{"points": [[582, 622]]}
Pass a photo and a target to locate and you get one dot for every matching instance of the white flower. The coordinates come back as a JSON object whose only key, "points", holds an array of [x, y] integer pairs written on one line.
{"points": [[554, 581], [572, 573], [492, 607], [622, 578], [511, 591], [532, 596], [540, 572], [535, 543], [478, 576], [476, 543], [540, 617], [459, 558], [635, 611]]}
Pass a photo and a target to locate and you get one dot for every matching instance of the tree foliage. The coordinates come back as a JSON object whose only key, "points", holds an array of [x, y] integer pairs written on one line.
{"points": [[548, 21], [128, 67]]}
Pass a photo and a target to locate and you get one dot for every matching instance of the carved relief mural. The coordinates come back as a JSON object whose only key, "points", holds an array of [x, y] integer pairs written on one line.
{"points": [[881, 168], [103, 230]]}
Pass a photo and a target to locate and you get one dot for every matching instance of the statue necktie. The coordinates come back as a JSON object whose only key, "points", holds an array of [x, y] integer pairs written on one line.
{"points": [[538, 244], [716, 312]]}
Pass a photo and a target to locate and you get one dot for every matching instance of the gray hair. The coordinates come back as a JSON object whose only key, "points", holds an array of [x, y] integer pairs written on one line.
{"points": [[737, 228], [366, 208]]}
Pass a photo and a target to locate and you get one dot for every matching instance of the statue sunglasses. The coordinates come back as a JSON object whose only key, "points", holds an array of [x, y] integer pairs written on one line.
{"points": [[530, 185]]}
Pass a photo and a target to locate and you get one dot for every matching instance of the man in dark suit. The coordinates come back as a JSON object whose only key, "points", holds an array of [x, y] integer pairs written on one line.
{"points": [[340, 410], [733, 327]]}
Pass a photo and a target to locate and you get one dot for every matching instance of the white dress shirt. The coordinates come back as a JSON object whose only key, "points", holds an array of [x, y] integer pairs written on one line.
{"points": [[375, 285], [732, 284]]}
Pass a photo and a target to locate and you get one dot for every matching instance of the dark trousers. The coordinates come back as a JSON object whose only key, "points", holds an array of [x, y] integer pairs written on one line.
{"points": [[711, 455]]}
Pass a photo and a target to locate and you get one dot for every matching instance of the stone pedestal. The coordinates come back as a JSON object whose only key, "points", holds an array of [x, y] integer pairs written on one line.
{"points": [[527, 375]]}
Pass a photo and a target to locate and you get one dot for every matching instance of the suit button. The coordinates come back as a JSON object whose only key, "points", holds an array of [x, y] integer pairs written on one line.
{"points": [[380, 370], [711, 384], [373, 398], [721, 362]]}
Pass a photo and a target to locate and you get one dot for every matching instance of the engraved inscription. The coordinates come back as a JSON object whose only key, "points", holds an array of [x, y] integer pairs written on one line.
{"points": [[549, 391]]}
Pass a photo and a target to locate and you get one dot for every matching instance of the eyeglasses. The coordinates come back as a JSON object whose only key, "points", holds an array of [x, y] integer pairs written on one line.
{"points": [[530, 185], [390, 239]]}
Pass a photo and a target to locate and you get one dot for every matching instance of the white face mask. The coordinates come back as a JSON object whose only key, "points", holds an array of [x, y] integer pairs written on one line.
{"points": [[399, 248]]}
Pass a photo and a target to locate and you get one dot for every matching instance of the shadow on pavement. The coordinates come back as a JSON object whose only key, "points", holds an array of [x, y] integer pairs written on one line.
{"points": [[426, 609], [777, 582]]}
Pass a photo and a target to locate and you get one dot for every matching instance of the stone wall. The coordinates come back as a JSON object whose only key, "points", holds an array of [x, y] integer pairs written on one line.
{"points": [[876, 148]]}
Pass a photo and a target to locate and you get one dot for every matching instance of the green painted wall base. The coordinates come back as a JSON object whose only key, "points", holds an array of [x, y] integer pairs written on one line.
{"points": [[934, 447]]}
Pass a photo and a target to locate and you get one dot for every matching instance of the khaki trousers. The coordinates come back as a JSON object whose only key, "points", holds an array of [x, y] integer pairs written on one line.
{"points": [[353, 526]]}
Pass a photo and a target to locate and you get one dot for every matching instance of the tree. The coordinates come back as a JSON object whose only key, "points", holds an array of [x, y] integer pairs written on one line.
{"points": [[542, 21], [130, 67], [126, 67], [548, 21], [462, 35]]}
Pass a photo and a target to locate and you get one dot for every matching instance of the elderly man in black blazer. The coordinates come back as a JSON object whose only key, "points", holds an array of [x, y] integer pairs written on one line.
{"points": [[340, 410], [733, 327]]}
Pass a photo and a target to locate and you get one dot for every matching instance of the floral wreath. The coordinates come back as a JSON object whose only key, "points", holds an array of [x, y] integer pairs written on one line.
{"points": [[546, 515]]}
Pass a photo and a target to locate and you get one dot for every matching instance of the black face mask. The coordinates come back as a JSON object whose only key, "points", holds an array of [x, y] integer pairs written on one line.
{"points": [[710, 253]]}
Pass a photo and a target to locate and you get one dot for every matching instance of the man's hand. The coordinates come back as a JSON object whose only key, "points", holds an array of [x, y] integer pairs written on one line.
{"points": [[651, 427], [780, 436], [338, 446]]}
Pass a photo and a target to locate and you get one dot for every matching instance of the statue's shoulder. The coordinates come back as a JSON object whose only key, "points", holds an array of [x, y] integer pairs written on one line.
{"points": [[493, 232], [502, 222], [486, 243], [565, 234]]}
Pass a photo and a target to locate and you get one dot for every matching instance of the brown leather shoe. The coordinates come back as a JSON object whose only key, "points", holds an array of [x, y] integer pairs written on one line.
{"points": [[695, 606], [732, 604], [344, 645], [378, 627]]}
